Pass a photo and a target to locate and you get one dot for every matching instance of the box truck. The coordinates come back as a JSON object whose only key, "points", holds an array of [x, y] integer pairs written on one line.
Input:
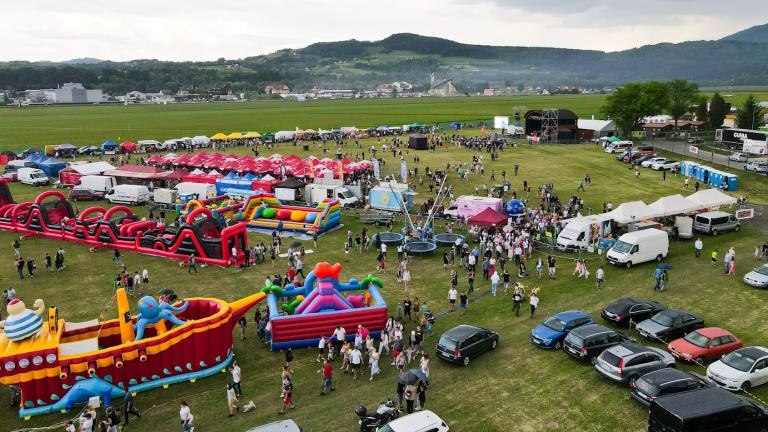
{"points": [[32, 176], [316, 193], [96, 183], [639, 247], [128, 194], [163, 198], [201, 191]]}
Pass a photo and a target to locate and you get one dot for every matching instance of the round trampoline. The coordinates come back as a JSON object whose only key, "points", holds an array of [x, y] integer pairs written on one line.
{"points": [[391, 238], [447, 239], [421, 248]]}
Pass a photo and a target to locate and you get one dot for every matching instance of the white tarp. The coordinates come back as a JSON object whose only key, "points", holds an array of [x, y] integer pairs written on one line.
{"points": [[673, 205], [93, 168], [633, 211], [201, 140], [709, 198]]}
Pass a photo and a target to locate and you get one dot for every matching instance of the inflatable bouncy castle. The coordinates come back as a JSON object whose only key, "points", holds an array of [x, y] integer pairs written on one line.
{"points": [[319, 306], [59, 364], [267, 213], [201, 234]]}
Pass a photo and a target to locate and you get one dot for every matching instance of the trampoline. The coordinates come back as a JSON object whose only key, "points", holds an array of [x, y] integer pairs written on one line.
{"points": [[447, 239], [391, 238], [421, 248]]}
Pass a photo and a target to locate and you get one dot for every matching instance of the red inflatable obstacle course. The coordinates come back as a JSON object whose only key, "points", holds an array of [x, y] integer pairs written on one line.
{"points": [[201, 234]]}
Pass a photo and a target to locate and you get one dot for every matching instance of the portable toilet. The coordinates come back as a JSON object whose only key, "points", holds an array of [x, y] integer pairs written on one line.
{"points": [[733, 182]]}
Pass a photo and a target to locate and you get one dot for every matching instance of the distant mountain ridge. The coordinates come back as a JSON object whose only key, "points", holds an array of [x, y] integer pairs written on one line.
{"points": [[741, 59]]}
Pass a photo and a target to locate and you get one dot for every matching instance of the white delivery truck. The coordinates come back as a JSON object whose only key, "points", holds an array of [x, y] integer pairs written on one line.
{"points": [[580, 232], [164, 198], [96, 183], [32, 176], [639, 247], [128, 194], [316, 193], [11, 170], [200, 190]]}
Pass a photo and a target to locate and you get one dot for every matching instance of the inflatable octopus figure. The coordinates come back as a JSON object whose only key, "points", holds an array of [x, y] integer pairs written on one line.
{"points": [[151, 312]]}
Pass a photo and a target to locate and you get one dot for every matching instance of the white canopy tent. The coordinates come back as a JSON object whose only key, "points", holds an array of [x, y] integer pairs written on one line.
{"points": [[633, 211], [92, 168], [709, 198], [201, 141], [673, 205]]}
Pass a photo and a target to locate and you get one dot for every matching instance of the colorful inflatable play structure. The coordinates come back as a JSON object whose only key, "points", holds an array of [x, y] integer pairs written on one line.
{"points": [[316, 308], [201, 234], [59, 364], [5, 193], [266, 212]]}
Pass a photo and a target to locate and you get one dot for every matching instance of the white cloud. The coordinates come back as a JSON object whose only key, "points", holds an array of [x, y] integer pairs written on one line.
{"points": [[200, 30]]}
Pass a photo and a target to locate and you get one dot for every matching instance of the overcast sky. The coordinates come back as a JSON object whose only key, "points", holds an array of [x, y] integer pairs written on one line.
{"points": [[206, 30]]}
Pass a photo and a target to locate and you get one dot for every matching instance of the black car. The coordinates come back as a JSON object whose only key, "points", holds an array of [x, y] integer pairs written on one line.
{"points": [[589, 341], [665, 382], [669, 324], [709, 409], [619, 312], [464, 342]]}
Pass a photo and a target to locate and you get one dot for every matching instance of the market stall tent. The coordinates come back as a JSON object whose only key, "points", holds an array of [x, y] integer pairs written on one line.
{"points": [[673, 205], [633, 211], [488, 217], [709, 198]]}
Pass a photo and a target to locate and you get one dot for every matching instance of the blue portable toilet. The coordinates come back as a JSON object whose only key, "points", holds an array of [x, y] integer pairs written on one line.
{"points": [[733, 182]]}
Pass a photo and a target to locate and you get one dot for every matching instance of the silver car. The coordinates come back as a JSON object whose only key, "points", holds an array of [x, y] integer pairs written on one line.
{"points": [[628, 361], [758, 277]]}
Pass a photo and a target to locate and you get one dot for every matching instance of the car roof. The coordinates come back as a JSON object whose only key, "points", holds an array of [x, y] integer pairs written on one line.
{"points": [[462, 331], [630, 301], [676, 312], [754, 351], [666, 375], [278, 426], [590, 329], [703, 401], [571, 315], [711, 332], [415, 422], [625, 349]]}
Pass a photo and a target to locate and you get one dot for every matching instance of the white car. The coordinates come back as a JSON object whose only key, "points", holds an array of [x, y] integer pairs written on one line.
{"points": [[757, 166], [740, 370], [647, 163], [738, 157], [665, 165], [420, 421]]}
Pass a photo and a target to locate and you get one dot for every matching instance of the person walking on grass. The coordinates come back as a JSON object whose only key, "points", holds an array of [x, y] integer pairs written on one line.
{"points": [[356, 360], [185, 414], [551, 266], [191, 264], [129, 408], [327, 371], [287, 394], [452, 294], [236, 378], [534, 302], [714, 258], [698, 245], [495, 279], [463, 302], [231, 400], [373, 359], [600, 274], [517, 299], [16, 248]]}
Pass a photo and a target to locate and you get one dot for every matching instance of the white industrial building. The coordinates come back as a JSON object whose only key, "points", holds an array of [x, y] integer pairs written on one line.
{"points": [[67, 93]]}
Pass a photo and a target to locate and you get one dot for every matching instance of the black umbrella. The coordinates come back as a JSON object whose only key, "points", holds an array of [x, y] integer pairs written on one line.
{"points": [[412, 377]]}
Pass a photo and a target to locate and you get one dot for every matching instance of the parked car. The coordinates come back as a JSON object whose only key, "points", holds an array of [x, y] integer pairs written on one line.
{"points": [[757, 166], [665, 165], [421, 421], [708, 409], [635, 156], [715, 222], [641, 159], [552, 331], [695, 140], [628, 361], [78, 194], [669, 324], [738, 157], [704, 344], [623, 310], [758, 277], [741, 370], [89, 150], [278, 426], [587, 342], [648, 162], [463, 343], [664, 382]]}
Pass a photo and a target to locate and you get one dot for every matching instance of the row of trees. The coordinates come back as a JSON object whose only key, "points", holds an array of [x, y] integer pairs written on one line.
{"points": [[628, 105]]}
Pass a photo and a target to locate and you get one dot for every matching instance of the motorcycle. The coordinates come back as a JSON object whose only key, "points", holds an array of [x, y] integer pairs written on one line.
{"points": [[385, 413]]}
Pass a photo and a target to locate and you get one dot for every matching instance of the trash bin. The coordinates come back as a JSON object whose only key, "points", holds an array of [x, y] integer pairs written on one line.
{"points": [[305, 147]]}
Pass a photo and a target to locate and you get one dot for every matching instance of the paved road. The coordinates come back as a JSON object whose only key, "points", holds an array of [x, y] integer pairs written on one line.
{"points": [[683, 148]]}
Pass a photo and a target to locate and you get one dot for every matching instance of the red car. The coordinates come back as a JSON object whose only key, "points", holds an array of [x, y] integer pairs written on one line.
{"points": [[709, 343]]}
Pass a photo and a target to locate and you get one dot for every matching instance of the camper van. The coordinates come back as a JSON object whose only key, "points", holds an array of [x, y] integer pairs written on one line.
{"points": [[639, 247], [11, 171], [618, 146], [128, 194], [96, 183], [32, 176], [316, 193]]}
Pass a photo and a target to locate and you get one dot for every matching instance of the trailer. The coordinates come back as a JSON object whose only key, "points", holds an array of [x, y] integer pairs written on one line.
{"points": [[377, 217]]}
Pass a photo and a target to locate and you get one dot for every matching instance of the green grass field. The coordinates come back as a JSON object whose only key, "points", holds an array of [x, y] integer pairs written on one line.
{"points": [[518, 384]]}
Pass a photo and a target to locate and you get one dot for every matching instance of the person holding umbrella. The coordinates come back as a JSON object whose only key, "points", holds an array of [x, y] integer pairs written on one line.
{"points": [[411, 380]]}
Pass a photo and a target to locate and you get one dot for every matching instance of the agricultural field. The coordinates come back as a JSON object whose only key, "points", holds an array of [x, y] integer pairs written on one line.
{"points": [[517, 385]]}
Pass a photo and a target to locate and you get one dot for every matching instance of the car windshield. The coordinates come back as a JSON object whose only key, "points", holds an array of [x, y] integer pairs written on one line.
{"points": [[763, 270], [697, 339], [739, 361], [663, 318], [447, 343], [346, 194], [622, 246], [555, 324], [574, 340]]}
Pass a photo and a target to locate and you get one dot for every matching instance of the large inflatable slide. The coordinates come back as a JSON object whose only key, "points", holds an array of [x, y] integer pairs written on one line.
{"points": [[201, 234], [264, 212], [314, 309], [59, 364]]}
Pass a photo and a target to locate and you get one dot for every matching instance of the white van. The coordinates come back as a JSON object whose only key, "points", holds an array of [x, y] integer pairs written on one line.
{"points": [[32, 176], [201, 190], [618, 146], [96, 183], [278, 426], [420, 421], [639, 247], [576, 235], [128, 194]]}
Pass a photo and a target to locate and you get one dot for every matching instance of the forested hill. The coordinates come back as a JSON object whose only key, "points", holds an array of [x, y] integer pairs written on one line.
{"points": [[741, 58]]}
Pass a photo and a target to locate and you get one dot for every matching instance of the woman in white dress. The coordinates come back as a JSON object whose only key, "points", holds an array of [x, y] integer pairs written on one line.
{"points": [[406, 274], [373, 359]]}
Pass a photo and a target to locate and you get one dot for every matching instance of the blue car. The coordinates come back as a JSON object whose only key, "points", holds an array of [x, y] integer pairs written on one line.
{"points": [[551, 333]]}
